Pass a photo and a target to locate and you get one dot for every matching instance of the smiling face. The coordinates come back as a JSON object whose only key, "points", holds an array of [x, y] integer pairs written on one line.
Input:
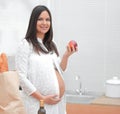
{"points": [[43, 24]]}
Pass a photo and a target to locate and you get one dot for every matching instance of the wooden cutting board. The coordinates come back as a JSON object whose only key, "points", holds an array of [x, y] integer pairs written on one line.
{"points": [[103, 100]]}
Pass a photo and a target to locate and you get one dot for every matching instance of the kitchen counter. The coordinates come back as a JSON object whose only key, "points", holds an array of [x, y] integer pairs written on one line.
{"points": [[92, 109], [103, 100], [99, 105], [92, 103]]}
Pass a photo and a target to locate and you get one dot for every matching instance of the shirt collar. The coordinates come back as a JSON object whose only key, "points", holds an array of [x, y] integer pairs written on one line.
{"points": [[40, 40]]}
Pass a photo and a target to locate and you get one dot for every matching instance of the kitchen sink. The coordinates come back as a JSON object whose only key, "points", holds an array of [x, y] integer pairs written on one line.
{"points": [[83, 98]]}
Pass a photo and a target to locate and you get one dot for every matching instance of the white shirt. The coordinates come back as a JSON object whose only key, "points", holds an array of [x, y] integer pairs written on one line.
{"points": [[36, 72]]}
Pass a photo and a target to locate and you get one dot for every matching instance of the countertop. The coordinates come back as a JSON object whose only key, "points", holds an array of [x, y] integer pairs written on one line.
{"points": [[103, 100]]}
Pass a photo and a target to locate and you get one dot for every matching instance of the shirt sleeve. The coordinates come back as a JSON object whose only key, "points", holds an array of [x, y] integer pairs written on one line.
{"points": [[21, 61]]}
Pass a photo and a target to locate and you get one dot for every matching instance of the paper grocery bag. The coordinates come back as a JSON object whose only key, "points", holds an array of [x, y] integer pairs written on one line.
{"points": [[10, 100]]}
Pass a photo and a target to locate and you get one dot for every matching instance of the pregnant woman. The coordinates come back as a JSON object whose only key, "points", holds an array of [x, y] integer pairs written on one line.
{"points": [[39, 65]]}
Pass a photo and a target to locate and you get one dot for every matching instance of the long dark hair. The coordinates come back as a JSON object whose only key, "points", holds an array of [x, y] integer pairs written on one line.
{"points": [[31, 32]]}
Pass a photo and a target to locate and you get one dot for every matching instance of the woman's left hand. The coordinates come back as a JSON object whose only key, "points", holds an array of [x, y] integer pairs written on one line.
{"points": [[70, 50]]}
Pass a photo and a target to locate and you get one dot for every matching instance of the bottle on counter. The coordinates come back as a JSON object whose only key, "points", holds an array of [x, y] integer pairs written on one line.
{"points": [[41, 109]]}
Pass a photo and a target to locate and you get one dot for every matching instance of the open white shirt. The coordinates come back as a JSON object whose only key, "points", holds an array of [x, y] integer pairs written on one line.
{"points": [[36, 72]]}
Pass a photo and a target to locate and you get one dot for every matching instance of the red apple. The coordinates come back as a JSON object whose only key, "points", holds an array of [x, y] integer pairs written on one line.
{"points": [[72, 43]]}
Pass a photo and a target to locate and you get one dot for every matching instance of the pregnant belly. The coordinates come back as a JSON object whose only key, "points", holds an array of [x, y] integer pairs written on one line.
{"points": [[61, 83]]}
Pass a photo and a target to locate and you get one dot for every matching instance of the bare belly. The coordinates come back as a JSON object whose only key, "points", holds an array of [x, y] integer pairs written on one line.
{"points": [[61, 83]]}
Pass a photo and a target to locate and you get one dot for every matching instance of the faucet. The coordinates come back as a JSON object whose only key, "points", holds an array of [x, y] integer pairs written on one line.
{"points": [[79, 90]]}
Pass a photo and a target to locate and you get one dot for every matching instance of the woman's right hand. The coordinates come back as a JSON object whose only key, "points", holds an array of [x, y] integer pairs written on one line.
{"points": [[51, 99], [48, 99]]}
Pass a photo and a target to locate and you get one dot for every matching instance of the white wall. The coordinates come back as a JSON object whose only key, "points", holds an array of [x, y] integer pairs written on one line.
{"points": [[14, 19], [94, 24]]}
